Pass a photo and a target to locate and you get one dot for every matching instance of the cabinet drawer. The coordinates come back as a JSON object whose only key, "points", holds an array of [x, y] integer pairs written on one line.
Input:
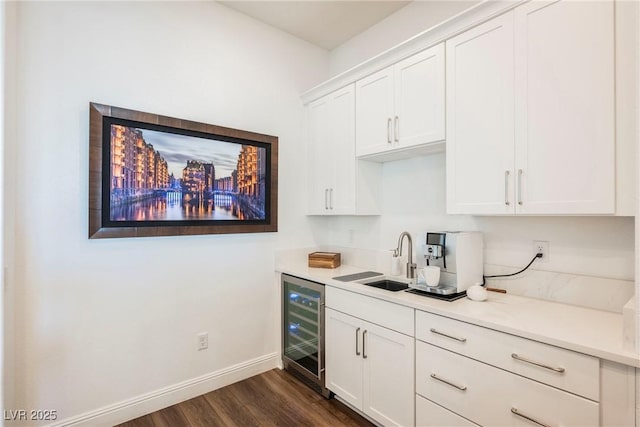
{"points": [[579, 375], [393, 316], [490, 396], [428, 414]]}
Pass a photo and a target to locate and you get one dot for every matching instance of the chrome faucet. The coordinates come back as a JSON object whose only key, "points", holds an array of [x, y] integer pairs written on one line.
{"points": [[411, 266]]}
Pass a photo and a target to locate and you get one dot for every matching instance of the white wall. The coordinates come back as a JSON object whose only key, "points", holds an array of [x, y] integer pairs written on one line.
{"points": [[412, 19], [8, 150], [102, 321], [3, 55]]}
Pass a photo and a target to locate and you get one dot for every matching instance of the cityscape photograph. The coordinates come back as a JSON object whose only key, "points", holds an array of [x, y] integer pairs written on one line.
{"points": [[160, 176]]}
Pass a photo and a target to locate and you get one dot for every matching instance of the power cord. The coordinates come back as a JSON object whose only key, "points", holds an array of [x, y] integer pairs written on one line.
{"points": [[538, 255]]}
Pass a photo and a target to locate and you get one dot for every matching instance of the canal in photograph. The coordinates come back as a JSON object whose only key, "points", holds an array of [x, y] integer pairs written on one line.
{"points": [[171, 207]]}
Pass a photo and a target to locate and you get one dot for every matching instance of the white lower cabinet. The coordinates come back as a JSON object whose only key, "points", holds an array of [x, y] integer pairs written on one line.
{"points": [[428, 414], [493, 397], [469, 374], [371, 368], [574, 372], [406, 367]]}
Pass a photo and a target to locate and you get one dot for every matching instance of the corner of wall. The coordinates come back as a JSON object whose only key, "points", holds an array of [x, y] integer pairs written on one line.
{"points": [[8, 73]]}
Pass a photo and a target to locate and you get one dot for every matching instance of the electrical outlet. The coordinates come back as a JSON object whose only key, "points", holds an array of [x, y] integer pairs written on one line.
{"points": [[541, 247], [203, 340]]}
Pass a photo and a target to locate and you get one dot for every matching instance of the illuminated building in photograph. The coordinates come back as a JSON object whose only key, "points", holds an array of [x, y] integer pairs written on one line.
{"points": [[137, 169], [193, 177], [251, 179], [251, 171], [225, 184], [209, 176]]}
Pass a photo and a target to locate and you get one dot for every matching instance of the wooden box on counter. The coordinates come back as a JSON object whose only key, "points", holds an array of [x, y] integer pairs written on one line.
{"points": [[324, 259]]}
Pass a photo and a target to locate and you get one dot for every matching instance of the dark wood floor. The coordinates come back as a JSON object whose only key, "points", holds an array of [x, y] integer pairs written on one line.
{"points": [[274, 398]]}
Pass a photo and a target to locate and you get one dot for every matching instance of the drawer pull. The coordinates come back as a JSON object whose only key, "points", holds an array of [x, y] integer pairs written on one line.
{"points": [[542, 365], [448, 336], [527, 417], [459, 387], [364, 344]]}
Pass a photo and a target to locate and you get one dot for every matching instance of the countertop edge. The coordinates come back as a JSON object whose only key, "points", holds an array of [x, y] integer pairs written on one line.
{"points": [[443, 308]]}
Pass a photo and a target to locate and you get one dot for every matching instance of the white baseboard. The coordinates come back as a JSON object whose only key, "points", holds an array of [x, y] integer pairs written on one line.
{"points": [[167, 396]]}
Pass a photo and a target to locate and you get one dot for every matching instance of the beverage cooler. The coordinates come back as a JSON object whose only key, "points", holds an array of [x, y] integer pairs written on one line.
{"points": [[303, 330]]}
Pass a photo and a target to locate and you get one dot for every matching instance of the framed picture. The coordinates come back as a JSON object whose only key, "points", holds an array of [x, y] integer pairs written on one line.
{"points": [[152, 175]]}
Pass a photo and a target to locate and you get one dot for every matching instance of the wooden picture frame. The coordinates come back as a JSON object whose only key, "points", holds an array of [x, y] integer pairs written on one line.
{"points": [[136, 187]]}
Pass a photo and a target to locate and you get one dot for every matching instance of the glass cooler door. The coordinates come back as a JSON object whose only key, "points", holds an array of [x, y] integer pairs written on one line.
{"points": [[302, 323]]}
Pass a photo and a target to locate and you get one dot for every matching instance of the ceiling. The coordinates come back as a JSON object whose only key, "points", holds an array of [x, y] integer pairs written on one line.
{"points": [[327, 24]]}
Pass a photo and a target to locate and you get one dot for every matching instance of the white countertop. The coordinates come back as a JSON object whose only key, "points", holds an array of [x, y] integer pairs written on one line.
{"points": [[594, 332]]}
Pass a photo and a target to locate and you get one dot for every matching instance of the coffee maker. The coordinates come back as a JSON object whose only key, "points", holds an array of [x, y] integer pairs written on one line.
{"points": [[459, 256]]}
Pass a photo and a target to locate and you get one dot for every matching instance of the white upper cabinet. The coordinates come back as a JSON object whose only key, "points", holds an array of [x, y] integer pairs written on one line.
{"points": [[530, 112], [565, 138], [374, 113], [320, 169], [401, 106], [480, 150], [337, 183], [419, 98]]}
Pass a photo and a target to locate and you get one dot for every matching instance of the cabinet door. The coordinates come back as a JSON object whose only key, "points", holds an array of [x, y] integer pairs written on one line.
{"points": [[480, 105], [419, 98], [374, 113], [389, 394], [565, 146], [342, 199], [320, 167], [343, 356]]}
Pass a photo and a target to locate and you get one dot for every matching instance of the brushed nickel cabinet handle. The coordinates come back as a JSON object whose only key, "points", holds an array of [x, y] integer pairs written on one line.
{"points": [[520, 186], [542, 365], [364, 344], [357, 351], [506, 188], [389, 130], [396, 127], [326, 203], [442, 380], [433, 331], [529, 418]]}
